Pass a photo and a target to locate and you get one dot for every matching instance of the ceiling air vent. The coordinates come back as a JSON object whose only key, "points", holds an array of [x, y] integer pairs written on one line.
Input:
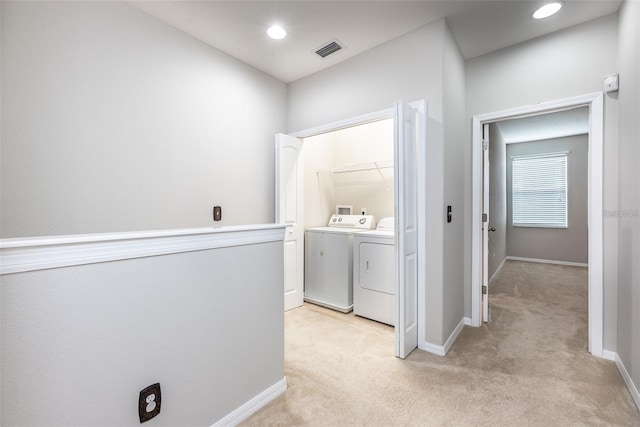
{"points": [[327, 49]]}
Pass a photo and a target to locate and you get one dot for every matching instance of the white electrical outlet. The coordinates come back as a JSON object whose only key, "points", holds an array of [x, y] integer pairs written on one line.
{"points": [[149, 402]]}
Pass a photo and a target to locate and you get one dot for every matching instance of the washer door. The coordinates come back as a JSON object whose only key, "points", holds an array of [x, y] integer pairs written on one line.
{"points": [[377, 267]]}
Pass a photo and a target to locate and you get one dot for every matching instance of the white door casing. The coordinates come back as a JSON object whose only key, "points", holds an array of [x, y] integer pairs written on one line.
{"points": [[406, 217], [290, 210], [595, 103], [413, 296], [485, 222]]}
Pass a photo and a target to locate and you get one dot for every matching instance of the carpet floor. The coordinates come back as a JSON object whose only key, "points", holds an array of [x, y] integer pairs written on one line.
{"points": [[528, 366]]}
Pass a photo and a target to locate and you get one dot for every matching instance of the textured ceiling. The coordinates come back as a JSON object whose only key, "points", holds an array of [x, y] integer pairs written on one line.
{"points": [[239, 27]]}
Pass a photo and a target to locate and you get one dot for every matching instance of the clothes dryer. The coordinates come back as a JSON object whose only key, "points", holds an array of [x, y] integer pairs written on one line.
{"points": [[374, 273]]}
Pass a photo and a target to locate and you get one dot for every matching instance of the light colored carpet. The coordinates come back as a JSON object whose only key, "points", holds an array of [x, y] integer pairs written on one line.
{"points": [[529, 366]]}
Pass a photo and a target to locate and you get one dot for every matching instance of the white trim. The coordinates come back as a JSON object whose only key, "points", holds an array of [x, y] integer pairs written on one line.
{"points": [[438, 350], [420, 105], [477, 240], [346, 123], [609, 355], [633, 390], [596, 256], [547, 261], [467, 321], [40, 253], [454, 336], [423, 109], [496, 273], [249, 408], [596, 226], [442, 350]]}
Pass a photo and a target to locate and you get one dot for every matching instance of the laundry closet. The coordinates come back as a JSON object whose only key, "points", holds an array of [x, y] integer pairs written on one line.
{"points": [[349, 220]]}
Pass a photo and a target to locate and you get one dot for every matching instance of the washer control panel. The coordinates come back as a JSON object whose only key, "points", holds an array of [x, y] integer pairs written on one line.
{"points": [[365, 222]]}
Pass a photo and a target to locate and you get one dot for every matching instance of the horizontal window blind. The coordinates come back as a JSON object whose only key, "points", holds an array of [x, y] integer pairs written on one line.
{"points": [[539, 190]]}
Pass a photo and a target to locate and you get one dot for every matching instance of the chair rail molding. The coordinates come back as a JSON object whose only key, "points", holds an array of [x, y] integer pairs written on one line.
{"points": [[19, 255]]}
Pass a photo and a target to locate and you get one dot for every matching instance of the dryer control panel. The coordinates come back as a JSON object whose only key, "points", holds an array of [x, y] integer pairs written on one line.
{"points": [[363, 222]]}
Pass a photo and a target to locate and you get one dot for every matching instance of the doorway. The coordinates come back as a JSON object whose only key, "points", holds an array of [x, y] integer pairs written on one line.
{"points": [[409, 122], [480, 218]]}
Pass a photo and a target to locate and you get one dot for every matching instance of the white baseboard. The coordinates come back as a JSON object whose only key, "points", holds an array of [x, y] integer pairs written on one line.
{"points": [[609, 355], [250, 407], [442, 350], [548, 261], [468, 321], [494, 276], [454, 335], [628, 381], [438, 350]]}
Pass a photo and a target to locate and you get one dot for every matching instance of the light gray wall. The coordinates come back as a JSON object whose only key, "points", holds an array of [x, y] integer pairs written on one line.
{"points": [[113, 121], [497, 199], [629, 204], [454, 145], [407, 68], [569, 244], [80, 342], [422, 64], [567, 63]]}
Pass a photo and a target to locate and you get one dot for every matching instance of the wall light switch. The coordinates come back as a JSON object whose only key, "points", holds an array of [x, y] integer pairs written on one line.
{"points": [[217, 213], [611, 83]]}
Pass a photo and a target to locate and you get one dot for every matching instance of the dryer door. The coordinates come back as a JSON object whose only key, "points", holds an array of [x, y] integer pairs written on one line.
{"points": [[377, 267]]}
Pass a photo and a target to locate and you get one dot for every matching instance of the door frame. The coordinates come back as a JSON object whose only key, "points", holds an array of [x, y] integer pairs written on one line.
{"points": [[595, 103], [421, 106], [486, 210]]}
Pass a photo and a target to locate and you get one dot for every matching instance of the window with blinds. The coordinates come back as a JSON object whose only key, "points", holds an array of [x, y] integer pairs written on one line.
{"points": [[539, 190]]}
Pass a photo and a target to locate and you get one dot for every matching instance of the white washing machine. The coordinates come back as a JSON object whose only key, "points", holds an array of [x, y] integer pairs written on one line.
{"points": [[374, 273], [329, 261]]}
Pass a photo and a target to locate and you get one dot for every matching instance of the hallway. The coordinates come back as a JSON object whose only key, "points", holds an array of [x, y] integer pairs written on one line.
{"points": [[529, 366]]}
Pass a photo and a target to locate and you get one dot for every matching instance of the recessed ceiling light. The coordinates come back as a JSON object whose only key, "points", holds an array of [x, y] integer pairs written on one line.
{"points": [[547, 10], [277, 32]]}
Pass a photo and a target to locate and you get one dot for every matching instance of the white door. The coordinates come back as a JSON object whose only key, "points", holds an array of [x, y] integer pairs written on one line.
{"points": [[485, 223], [289, 210], [406, 196]]}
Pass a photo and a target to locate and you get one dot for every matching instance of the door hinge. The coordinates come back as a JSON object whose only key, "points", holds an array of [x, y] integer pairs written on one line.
{"points": [[484, 217], [485, 145], [484, 290]]}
